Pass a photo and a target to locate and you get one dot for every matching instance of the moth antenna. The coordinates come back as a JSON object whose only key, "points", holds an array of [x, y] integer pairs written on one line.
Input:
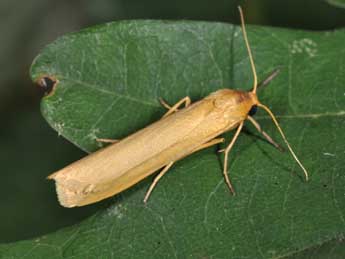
{"points": [[284, 138], [249, 50]]}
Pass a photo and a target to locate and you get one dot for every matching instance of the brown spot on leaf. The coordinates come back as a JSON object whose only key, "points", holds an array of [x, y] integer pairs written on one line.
{"points": [[47, 84]]}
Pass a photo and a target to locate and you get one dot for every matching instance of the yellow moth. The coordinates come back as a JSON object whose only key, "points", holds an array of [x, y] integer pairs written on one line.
{"points": [[179, 133]]}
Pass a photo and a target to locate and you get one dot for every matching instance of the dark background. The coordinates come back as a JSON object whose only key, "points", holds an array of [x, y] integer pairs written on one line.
{"points": [[29, 149]]}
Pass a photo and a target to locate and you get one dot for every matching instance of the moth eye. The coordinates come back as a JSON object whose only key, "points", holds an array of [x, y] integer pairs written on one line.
{"points": [[253, 110]]}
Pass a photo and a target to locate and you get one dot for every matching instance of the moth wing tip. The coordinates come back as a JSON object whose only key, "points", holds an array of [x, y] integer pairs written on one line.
{"points": [[64, 199], [50, 177], [67, 198], [55, 175]]}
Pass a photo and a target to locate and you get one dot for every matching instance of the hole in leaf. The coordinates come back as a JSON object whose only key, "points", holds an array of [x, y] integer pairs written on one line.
{"points": [[47, 84]]}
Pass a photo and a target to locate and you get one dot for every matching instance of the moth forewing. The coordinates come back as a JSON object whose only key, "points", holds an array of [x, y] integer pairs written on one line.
{"points": [[121, 165]]}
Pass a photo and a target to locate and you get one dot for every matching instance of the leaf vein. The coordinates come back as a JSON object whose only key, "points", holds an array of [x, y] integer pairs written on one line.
{"points": [[104, 91]]}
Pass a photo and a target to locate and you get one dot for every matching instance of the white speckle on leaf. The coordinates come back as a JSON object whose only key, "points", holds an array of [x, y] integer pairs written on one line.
{"points": [[98, 40], [93, 134], [59, 127], [236, 34], [115, 211], [329, 154], [304, 46]]}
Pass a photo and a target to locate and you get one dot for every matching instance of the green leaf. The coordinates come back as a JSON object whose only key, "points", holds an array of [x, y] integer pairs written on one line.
{"points": [[336, 3], [109, 81]]}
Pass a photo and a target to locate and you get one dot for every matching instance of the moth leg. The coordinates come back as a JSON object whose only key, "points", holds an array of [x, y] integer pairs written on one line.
{"points": [[267, 137], [155, 181], [107, 140], [226, 154], [186, 101], [164, 103]]}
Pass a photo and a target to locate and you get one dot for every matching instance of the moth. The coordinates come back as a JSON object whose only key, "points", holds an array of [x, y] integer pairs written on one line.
{"points": [[184, 129]]}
